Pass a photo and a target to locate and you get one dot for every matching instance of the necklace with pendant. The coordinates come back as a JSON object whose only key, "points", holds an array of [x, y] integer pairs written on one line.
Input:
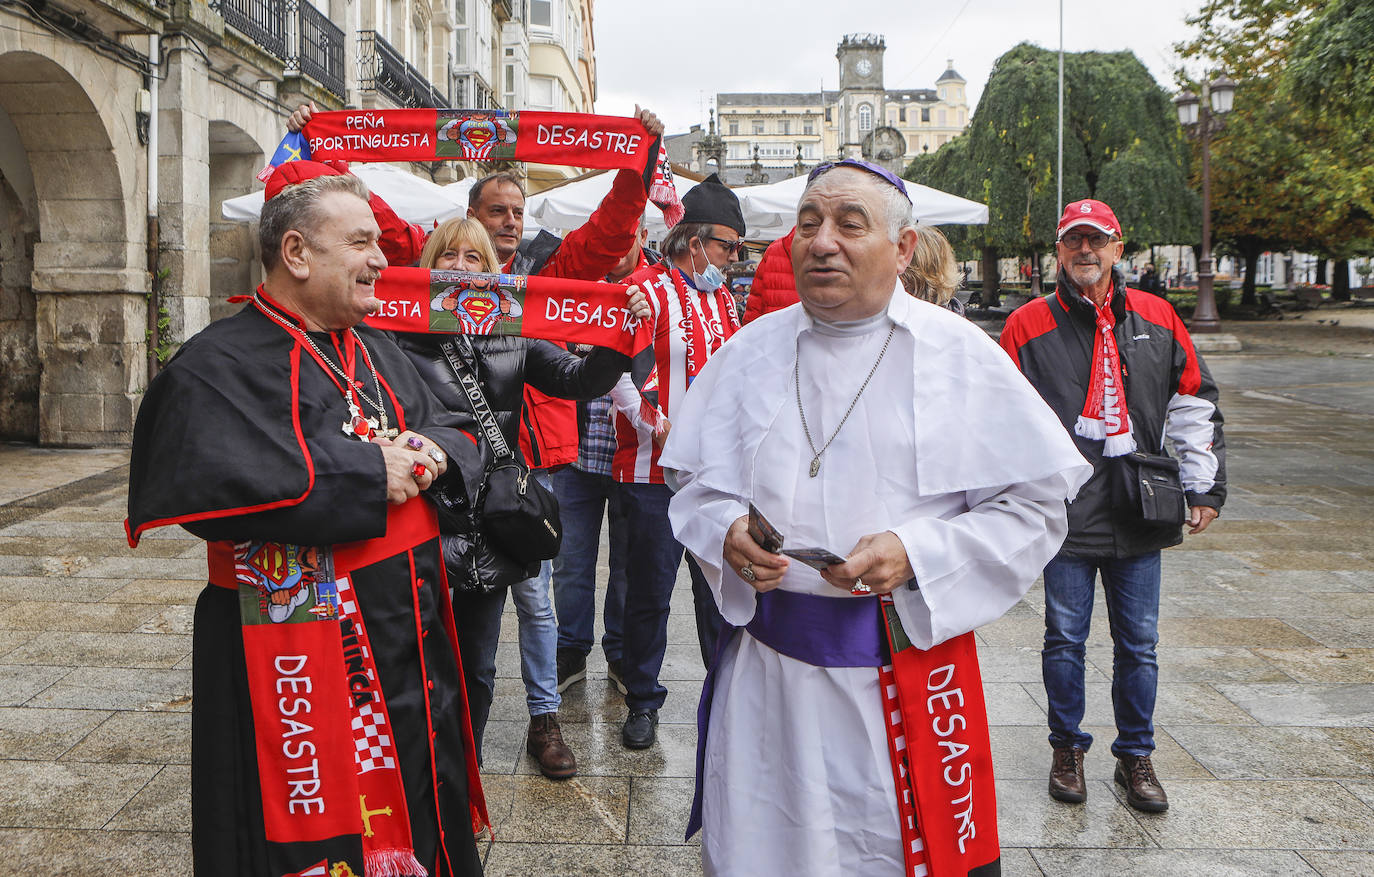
{"points": [[796, 379], [358, 424]]}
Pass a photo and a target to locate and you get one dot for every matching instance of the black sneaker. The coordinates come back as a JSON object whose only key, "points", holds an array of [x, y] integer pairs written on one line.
{"points": [[638, 730], [613, 676], [572, 667]]}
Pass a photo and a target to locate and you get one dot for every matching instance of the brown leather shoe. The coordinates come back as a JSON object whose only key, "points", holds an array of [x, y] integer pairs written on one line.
{"points": [[1143, 791], [1066, 775], [545, 743]]}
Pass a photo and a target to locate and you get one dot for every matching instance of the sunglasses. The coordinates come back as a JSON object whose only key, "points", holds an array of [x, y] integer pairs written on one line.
{"points": [[733, 247], [1074, 239]]}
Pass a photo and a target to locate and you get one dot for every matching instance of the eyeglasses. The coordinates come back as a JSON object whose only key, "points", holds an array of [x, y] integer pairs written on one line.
{"points": [[733, 247], [1074, 239]]}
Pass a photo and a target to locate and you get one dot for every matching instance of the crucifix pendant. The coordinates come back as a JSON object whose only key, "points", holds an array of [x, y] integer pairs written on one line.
{"points": [[356, 425], [815, 466]]}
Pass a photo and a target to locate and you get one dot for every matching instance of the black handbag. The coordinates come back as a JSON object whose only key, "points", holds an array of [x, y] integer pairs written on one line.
{"points": [[516, 513], [1151, 490]]}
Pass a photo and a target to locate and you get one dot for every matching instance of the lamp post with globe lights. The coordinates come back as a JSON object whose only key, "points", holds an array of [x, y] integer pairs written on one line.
{"points": [[1201, 118]]}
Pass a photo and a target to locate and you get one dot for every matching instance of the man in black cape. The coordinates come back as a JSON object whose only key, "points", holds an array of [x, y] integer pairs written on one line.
{"points": [[329, 724]]}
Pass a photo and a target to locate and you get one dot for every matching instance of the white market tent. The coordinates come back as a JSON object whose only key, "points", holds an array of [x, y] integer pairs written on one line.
{"points": [[414, 199], [566, 206], [770, 210]]}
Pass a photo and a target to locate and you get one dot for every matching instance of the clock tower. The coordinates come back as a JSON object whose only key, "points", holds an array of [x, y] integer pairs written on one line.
{"points": [[861, 99]]}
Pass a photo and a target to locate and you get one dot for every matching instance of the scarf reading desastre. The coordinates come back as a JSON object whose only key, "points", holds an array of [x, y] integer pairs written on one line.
{"points": [[937, 731], [467, 303], [1104, 414], [327, 760], [570, 139]]}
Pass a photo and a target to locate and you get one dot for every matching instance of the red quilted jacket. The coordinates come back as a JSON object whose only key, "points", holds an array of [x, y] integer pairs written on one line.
{"points": [[774, 287]]}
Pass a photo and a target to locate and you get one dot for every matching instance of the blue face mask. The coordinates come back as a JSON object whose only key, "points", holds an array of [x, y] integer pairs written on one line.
{"points": [[707, 280]]}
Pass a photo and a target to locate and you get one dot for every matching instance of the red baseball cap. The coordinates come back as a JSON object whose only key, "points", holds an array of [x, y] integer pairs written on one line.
{"points": [[293, 172], [1088, 212]]}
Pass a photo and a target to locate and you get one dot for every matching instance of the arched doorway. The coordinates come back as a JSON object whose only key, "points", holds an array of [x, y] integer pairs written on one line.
{"points": [[235, 159], [88, 272], [19, 367]]}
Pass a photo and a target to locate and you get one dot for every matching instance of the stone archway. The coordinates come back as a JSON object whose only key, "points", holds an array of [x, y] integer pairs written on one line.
{"points": [[89, 274], [235, 159]]}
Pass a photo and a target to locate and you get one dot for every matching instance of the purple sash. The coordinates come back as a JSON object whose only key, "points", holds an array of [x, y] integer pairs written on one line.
{"points": [[821, 631]]}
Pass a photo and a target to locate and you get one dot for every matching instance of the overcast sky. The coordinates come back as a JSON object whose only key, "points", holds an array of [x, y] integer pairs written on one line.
{"points": [[674, 57]]}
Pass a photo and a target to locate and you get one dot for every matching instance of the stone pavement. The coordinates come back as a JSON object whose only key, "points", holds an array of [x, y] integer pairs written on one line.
{"points": [[1265, 720]]}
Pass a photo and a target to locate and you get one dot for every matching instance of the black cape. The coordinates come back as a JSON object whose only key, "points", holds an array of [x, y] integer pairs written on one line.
{"points": [[240, 438]]}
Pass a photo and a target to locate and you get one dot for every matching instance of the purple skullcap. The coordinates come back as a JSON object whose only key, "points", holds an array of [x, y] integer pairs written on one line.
{"points": [[859, 164]]}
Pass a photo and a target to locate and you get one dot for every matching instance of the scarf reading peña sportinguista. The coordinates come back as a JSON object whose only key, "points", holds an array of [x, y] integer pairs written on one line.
{"points": [[573, 139], [1104, 411]]}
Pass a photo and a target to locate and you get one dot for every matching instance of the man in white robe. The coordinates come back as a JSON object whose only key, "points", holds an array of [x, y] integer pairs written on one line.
{"points": [[942, 477]]}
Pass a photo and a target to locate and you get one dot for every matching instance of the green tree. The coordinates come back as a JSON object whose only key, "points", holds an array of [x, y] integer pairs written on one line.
{"points": [[1121, 144], [1293, 166]]}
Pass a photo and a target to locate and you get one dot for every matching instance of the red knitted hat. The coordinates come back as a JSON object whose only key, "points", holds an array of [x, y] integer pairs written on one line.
{"points": [[293, 172]]}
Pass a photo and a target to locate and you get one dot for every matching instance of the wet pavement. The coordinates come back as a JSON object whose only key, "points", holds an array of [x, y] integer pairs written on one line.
{"points": [[1265, 718]]}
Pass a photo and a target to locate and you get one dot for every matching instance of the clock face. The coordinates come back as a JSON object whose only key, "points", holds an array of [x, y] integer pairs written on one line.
{"points": [[863, 67]]}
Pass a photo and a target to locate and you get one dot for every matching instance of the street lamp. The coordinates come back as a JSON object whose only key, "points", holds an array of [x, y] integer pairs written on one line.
{"points": [[1202, 118]]}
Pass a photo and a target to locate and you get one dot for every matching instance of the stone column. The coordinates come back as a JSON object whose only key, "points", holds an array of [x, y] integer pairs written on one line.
{"points": [[184, 193]]}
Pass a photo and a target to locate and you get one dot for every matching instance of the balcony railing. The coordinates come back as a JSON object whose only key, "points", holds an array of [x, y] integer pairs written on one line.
{"points": [[320, 49], [261, 21], [381, 68]]}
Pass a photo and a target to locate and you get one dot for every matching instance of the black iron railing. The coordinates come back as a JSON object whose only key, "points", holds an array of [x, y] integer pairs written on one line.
{"points": [[320, 51], [381, 68], [261, 21]]}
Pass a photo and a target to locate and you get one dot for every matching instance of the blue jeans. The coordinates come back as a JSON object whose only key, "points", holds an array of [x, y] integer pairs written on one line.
{"points": [[583, 498], [651, 569], [538, 630], [478, 620], [1131, 588]]}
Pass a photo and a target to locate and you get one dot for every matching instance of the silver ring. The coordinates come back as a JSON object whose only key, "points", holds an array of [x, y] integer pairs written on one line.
{"points": [[436, 455], [860, 588], [746, 572]]}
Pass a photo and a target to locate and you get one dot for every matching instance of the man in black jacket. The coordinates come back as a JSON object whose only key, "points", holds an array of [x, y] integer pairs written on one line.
{"points": [[1119, 369]]}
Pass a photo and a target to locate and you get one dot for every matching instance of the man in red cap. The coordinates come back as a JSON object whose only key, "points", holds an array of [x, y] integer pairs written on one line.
{"points": [[328, 720], [1119, 369]]}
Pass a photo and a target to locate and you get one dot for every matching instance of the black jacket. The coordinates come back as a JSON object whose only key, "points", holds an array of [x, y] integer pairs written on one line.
{"points": [[504, 364], [1169, 391]]}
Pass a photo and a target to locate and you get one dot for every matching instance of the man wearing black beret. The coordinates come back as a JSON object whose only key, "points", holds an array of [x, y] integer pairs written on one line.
{"points": [[694, 314]]}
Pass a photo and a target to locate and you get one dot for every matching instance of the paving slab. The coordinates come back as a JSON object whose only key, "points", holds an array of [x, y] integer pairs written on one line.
{"points": [[1265, 738], [1260, 814]]}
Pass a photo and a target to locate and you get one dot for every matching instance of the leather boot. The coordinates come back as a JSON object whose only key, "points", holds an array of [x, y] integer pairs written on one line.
{"points": [[545, 743], [1143, 792], [1066, 775]]}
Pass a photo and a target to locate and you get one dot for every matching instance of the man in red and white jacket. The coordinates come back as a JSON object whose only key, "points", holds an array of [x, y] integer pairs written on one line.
{"points": [[694, 314]]}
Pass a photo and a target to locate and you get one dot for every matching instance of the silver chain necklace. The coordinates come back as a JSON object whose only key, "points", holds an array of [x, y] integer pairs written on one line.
{"points": [[796, 379], [381, 428]]}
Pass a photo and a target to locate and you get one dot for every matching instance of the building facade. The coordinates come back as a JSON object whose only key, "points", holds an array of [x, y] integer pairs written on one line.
{"points": [[776, 133], [125, 123]]}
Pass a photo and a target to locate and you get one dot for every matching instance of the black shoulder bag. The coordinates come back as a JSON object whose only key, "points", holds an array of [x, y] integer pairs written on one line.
{"points": [[1151, 489], [518, 515]]}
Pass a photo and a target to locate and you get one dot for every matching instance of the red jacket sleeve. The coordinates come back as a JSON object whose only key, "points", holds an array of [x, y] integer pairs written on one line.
{"points": [[589, 252], [774, 286], [401, 241]]}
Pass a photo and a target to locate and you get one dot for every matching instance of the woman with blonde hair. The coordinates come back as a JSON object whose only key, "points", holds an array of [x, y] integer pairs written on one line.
{"points": [[933, 275], [478, 571]]}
